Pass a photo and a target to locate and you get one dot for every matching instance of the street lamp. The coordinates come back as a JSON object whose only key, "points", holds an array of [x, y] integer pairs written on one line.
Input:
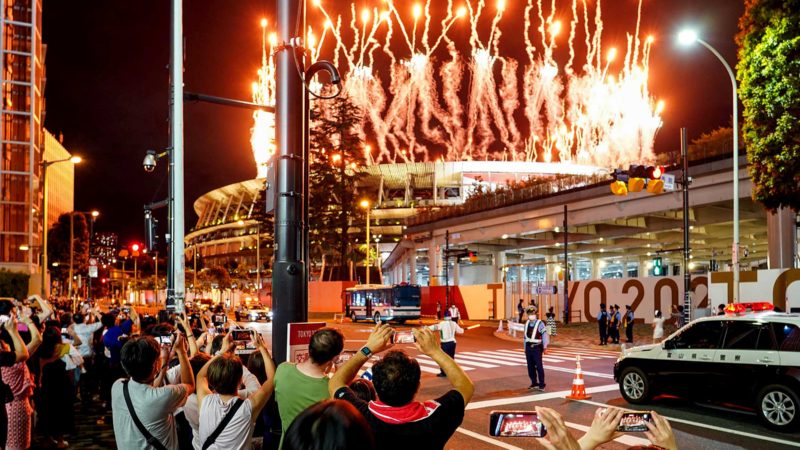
{"points": [[365, 204], [689, 37], [45, 219]]}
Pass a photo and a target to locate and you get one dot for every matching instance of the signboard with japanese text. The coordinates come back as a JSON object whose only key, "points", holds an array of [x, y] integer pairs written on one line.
{"points": [[299, 335]]}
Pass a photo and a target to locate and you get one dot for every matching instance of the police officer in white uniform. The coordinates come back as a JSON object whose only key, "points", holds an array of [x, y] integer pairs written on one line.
{"points": [[447, 336], [536, 341]]}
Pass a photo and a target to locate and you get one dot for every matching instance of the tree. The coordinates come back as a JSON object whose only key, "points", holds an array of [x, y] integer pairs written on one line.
{"points": [[714, 143], [58, 246], [337, 161], [769, 77]]}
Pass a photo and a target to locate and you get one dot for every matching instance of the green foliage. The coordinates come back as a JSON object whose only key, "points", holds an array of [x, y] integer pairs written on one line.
{"points": [[713, 143], [769, 77], [13, 284], [58, 246], [333, 202]]}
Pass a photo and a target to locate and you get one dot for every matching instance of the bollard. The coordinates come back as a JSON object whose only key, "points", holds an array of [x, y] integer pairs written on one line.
{"points": [[500, 326]]}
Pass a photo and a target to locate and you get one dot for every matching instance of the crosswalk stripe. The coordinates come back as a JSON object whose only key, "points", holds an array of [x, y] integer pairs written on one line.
{"points": [[460, 361], [425, 361], [567, 354], [601, 353], [502, 362], [521, 357]]}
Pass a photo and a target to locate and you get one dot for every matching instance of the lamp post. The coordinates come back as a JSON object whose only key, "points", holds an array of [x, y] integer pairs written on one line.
{"points": [[688, 37], [45, 220], [91, 237], [365, 204]]}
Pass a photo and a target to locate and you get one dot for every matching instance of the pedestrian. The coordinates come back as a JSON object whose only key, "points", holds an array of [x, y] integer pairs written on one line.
{"points": [[396, 419], [447, 336], [602, 324], [300, 385], [455, 314], [16, 379], [614, 318], [142, 412], [330, 425], [520, 311], [536, 341], [721, 309], [227, 420], [55, 414], [551, 322], [658, 327], [438, 310], [627, 323], [677, 314]]}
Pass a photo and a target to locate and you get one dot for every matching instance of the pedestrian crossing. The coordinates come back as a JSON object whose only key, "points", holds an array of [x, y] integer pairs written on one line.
{"points": [[492, 359]]}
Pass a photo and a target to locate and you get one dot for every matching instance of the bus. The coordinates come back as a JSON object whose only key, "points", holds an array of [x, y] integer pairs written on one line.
{"points": [[383, 303]]}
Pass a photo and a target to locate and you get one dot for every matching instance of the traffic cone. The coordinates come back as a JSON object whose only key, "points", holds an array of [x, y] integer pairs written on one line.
{"points": [[578, 387], [500, 326]]}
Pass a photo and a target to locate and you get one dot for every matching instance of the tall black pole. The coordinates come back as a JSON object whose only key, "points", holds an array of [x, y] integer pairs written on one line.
{"points": [[446, 269], [687, 276], [289, 272], [566, 268]]}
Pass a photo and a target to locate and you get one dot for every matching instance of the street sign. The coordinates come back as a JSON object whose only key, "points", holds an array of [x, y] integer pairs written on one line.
{"points": [[299, 336], [92, 262], [92, 271], [669, 181], [546, 290]]}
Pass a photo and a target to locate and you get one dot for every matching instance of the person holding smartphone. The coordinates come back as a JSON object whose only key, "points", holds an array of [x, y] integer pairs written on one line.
{"points": [[447, 336]]}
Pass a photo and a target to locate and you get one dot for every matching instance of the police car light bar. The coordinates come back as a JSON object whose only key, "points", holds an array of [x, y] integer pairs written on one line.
{"points": [[742, 308]]}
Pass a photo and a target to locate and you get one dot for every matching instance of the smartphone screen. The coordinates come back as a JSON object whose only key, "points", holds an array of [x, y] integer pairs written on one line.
{"points": [[516, 424], [403, 337], [634, 422], [242, 335], [164, 340]]}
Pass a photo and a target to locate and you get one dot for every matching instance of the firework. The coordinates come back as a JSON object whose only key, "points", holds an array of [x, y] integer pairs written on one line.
{"points": [[427, 95]]}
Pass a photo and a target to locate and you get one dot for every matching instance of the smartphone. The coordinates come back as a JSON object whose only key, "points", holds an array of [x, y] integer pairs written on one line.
{"points": [[634, 422], [516, 424], [164, 340], [4, 318], [403, 337], [245, 335]]}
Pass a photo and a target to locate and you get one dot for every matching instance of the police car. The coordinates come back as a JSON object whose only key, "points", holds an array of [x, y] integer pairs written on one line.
{"points": [[749, 357]]}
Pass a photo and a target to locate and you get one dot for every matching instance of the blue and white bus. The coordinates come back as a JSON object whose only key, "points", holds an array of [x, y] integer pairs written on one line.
{"points": [[383, 303]]}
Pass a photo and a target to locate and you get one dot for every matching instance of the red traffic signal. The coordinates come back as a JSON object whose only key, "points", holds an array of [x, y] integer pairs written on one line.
{"points": [[135, 247], [654, 172]]}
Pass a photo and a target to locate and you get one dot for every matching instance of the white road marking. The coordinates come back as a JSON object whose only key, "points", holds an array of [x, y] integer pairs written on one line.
{"points": [[584, 372], [495, 360], [714, 427], [483, 438], [536, 397]]}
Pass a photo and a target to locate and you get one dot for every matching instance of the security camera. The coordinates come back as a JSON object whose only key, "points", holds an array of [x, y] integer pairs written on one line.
{"points": [[149, 162]]}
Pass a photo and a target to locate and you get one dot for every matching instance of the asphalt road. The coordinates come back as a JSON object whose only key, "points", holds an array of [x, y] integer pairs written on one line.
{"points": [[498, 370]]}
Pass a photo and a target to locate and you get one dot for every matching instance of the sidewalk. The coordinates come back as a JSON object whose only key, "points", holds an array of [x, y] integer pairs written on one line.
{"points": [[586, 335]]}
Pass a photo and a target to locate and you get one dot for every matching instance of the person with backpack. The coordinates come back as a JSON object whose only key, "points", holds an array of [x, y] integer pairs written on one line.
{"points": [[227, 421]]}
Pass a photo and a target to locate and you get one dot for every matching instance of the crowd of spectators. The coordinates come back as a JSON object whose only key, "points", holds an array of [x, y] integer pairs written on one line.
{"points": [[178, 382]]}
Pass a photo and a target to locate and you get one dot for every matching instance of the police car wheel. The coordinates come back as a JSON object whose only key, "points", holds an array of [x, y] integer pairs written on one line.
{"points": [[353, 317], [377, 317], [778, 407], [634, 387]]}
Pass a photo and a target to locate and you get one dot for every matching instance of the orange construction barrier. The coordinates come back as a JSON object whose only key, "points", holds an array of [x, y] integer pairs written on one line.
{"points": [[578, 387]]}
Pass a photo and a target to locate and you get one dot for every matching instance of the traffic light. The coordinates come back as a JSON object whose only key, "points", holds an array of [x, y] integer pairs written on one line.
{"points": [[150, 230], [658, 269], [135, 247], [618, 186], [655, 185], [473, 258]]}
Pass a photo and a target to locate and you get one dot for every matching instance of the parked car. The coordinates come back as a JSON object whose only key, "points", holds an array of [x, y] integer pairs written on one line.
{"points": [[749, 357]]}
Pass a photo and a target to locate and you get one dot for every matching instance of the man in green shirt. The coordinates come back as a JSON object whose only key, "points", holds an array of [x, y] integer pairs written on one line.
{"points": [[300, 385]]}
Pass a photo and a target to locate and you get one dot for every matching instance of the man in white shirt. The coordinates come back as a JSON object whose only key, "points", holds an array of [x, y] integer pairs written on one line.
{"points": [[153, 407], [454, 313], [86, 330], [447, 336]]}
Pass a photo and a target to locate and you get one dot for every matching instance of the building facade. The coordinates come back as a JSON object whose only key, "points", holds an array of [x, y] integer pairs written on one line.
{"points": [[60, 179], [21, 136]]}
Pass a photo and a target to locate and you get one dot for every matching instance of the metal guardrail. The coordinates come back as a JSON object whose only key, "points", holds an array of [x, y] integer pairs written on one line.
{"points": [[509, 196]]}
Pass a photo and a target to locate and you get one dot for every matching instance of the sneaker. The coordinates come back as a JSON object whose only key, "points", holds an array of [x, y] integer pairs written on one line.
{"points": [[441, 375], [532, 387], [539, 388]]}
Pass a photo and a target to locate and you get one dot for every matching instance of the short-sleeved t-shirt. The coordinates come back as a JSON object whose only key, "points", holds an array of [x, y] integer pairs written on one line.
{"points": [[431, 432], [296, 391], [154, 407], [237, 433]]}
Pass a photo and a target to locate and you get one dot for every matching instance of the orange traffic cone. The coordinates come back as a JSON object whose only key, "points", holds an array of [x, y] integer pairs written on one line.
{"points": [[578, 387]]}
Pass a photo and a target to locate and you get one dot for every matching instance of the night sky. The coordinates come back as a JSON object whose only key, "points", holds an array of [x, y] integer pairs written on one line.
{"points": [[107, 87]]}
